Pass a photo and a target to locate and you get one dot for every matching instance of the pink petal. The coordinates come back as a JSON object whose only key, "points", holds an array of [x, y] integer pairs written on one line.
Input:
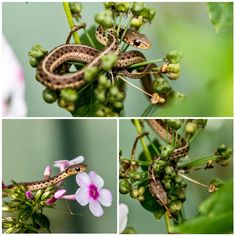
{"points": [[83, 179], [76, 160], [96, 179], [82, 196], [51, 201], [105, 197], [61, 164], [59, 193], [69, 197], [95, 208], [47, 172]]}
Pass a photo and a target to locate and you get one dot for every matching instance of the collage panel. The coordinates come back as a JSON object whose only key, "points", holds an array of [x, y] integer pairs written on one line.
{"points": [[176, 176], [59, 176], [173, 59]]}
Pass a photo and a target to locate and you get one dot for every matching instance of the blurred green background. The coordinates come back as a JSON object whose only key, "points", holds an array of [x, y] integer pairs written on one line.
{"points": [[30, 145], [217, 132], [206, 69]]}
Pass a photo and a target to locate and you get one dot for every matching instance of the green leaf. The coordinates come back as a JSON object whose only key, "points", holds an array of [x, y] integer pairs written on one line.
{"points": [[215, 214], [220, 14], [41, 220]]}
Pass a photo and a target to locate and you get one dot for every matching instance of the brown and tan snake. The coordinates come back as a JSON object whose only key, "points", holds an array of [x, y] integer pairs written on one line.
{"points": [[45, 72], [42, 184], [155, 186]]}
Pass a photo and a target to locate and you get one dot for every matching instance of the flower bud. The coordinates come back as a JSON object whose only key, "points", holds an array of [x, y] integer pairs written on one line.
{"points": [[174, 123], [134, 193], [105, 18], [174, 57], [191, 128], [108, 61], [137, 8], [69, 95], [90, 73]]}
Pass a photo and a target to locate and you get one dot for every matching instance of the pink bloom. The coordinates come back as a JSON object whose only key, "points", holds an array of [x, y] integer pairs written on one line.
{"points": [[92, 193], [29, 195], [57, 195], [63, 164], [47, 172]]}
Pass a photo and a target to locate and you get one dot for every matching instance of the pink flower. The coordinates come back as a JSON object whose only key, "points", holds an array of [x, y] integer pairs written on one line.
{"points": [[92, 193], [47, 172], [57, 195], [63, 164]]}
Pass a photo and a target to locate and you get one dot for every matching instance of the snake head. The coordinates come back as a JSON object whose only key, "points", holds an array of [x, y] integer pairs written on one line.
{"points": [[76, 168]]}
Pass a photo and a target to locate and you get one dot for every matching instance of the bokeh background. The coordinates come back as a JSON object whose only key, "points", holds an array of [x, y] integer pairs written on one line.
{"points": [[30, 145], [206, 69], [217, 132]]}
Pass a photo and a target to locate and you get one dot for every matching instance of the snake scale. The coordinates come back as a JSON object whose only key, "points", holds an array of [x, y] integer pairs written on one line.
{"points": [[46, 70], [155, 186], [36, 185]]}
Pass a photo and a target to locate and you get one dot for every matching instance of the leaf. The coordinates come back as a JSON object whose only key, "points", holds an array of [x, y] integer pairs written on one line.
{"points": [[220, 14], [216, 214], [41, 220]]}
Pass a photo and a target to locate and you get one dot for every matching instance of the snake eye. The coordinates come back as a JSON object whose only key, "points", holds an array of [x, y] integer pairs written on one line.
{"points": [[77, 168], [137, 42]]}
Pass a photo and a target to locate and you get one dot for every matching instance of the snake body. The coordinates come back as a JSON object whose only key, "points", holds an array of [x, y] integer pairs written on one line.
{"points": [[45, 72], [36, 185], [155, 186]]}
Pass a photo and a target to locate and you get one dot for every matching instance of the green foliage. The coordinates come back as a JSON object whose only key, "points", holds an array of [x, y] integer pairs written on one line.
{"points": [[25, 214], [220, 14], [215, 214]]}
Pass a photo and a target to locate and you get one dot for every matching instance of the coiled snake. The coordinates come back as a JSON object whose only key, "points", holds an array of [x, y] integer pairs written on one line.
{"points": [[45, 72], [155, 186], [36, 185]]}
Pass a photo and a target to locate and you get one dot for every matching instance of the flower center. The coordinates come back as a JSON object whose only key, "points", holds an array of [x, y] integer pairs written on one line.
{"points": [[93, 193]]}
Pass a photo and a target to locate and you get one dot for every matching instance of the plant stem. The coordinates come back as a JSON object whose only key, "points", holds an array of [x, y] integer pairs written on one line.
{"points": [[143, 143], [70, 21], [145, 63], [200, 161], [167, 220]]}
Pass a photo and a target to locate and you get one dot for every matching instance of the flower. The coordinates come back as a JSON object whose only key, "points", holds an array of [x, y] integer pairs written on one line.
{"points": [[57, 195], [29, 195], [63, 164], [123, 217], [92, 193], [47, 172]]}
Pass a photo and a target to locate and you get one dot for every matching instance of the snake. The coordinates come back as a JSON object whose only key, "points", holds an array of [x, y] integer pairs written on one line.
{"points": [[155, 186], [45, 71], [42, 184]]}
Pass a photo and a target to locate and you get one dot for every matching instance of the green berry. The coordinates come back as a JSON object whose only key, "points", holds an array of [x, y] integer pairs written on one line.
{"points": [[176, 206], [141, 191], [174, 68], [169, 171], [167, 185], [108, 61], [100, 113], [118, 105], [161, 86], [129, 230], [135, 176], [124, 186], [134, 193], [114, 91], [90, 73], [182, 196], [141, 198], [191, 128], [75, 7], [174, 123], [102, 80], [101, 97], [61, 102], [137, 8], [70, 107], [105, 18], [108, 4], [69, 95], [166, 151], [173, 76], [136, 22], [122, 7], [174, 57], [49, 96], [224, 152]]}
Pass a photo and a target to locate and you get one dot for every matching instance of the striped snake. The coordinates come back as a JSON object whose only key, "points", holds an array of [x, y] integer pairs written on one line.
{"points": [[155, 186], [36, 185], [46, 71]]}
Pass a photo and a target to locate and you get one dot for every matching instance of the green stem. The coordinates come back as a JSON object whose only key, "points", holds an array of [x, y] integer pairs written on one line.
{"points": [[66, 7], [167, 220], [200, 161], [153, 146], [142, 140], [88, 37], [145, 63]]}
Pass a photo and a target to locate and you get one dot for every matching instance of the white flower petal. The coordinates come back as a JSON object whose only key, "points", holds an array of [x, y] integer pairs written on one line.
{"points": [[82, 196], [97, 180], [95, 208], [105, 197], [83, 179], [123, 217], [76, 160]]}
